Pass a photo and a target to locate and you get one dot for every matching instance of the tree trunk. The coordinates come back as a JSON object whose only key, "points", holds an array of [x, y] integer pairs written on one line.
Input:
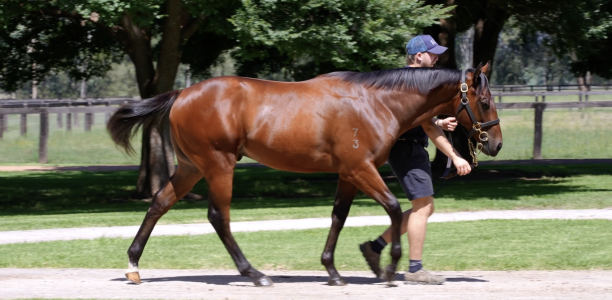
{"points": [[582, 78], [584, 81], [444, 33], [157, 162], [486, 33]]}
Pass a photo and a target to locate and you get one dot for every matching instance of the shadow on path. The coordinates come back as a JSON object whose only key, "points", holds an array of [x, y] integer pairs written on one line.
{"points": [[241, 280]]}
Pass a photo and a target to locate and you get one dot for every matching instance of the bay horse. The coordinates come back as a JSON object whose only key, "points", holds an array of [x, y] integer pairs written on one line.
{"points": [[342, 122]]}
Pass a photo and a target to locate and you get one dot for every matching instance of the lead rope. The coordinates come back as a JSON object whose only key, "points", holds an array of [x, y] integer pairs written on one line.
{"points": [[448, 159], [448, 165]]}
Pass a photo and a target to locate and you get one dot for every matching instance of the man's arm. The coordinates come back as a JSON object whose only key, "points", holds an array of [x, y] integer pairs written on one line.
{"points": [[437, 137], [448, 124]]}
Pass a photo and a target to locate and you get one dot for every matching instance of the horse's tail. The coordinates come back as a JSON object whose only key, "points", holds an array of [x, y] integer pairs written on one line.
{"points": [[147, 113]]}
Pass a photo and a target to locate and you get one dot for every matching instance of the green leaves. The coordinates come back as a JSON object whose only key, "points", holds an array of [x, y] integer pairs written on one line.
{"points": [[303, 37], [353, 35]]}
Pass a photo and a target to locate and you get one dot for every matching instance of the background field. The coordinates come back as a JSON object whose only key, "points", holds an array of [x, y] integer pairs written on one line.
{"points": [[568, 133]]}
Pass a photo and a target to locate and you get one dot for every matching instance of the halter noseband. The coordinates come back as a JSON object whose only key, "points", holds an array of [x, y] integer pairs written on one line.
{"points": [[483, 136]]}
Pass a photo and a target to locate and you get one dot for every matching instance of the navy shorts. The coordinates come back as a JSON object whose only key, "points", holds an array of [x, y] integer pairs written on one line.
{"points": [[410, 162]]}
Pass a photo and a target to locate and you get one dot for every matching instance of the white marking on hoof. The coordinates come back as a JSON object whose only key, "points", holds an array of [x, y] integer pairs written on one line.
{"points": [[131, 268]]}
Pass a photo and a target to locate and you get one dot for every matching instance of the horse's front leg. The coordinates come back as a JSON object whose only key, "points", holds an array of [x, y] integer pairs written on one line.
{"points": [[368, 180], [344, 198]]}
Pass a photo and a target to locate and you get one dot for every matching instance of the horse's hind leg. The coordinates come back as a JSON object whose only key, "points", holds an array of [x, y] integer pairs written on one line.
{"points": [[183, 180], [368, 180], [344, 198], [219, 181]]}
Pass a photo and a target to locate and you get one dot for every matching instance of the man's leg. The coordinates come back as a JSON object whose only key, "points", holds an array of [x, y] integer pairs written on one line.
{"points": [[414, 222], [422, 209]]}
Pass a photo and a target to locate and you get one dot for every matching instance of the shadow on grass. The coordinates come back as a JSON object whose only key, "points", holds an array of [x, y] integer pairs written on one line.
{"points": [[77, 192], [513, 182], [229, 279]]}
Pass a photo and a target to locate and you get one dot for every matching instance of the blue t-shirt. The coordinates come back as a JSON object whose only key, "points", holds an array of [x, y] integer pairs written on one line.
{"points": [[416, 133]]}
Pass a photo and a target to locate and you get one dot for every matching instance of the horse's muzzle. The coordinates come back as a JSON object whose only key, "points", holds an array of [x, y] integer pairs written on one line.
{"points": [[491, 147]]}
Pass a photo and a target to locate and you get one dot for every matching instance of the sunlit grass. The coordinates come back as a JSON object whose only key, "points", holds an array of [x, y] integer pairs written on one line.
{"points": [[475, 245]]}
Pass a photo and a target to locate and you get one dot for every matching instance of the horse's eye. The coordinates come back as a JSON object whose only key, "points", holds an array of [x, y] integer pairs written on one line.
{"points": [[485, 103]]}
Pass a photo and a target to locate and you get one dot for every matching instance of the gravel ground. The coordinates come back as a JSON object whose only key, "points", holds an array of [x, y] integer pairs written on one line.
{"points": [[206, 284]]}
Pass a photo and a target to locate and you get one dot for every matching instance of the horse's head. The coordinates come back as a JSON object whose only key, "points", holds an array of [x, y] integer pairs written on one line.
{"points": [[476, 110]]}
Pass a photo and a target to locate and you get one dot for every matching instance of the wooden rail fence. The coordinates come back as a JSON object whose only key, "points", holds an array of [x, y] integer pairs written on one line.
{"points": [[108, 107], [547, 87], [539, 113], [44, 107], [541, 96]]}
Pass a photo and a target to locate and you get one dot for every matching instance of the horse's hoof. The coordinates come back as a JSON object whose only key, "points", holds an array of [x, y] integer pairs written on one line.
{"points": [[133, 277], [388, 274], [264, 281], [336, 282]]}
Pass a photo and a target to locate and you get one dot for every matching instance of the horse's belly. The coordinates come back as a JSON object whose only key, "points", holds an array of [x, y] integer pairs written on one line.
{"points": [[293, 157]]}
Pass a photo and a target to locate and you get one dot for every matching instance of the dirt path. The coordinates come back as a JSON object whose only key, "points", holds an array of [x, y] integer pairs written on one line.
{"points": [[204, 284]]}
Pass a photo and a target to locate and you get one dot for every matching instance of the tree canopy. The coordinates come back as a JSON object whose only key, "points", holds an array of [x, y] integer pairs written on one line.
{"points": [[579, 29], [319, 36], [84, 37], [303, 37]]}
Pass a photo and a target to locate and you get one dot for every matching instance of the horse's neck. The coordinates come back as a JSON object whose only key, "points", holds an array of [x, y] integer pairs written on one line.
{"points": [[414, 109]]}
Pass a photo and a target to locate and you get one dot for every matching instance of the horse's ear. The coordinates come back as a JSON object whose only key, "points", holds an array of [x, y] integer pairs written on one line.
{"points": [[486, 67], [476, 76]]}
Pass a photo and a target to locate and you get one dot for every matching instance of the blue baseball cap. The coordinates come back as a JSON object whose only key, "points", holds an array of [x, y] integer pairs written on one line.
{"points": [[424, 43]]}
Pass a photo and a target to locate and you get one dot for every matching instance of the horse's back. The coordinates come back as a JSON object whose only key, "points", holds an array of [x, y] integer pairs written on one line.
{"points": [[280, 124]]}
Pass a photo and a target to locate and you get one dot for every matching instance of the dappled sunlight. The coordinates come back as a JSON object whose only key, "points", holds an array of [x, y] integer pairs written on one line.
{"points": [[81, 199]]}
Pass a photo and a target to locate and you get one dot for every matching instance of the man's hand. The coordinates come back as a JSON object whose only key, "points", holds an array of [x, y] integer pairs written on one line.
{"points": [[463, 167], [448, 124]]}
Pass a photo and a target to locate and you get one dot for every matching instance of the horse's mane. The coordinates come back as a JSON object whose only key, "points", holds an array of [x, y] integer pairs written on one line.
{"points": [[421, 79]]}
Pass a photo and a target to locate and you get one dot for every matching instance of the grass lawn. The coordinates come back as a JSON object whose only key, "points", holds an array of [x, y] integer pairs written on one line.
{"points": [[38, 200], [474, 245]]}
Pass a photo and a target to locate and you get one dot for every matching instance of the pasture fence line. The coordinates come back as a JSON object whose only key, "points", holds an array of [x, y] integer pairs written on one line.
{"points": [[89, 107], [44, 107], [548, 87], [539, 113], [541, 96]]}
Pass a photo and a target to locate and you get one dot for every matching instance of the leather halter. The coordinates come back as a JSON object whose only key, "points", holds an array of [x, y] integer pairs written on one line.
{"points": [[483, 136], [465, 104]]}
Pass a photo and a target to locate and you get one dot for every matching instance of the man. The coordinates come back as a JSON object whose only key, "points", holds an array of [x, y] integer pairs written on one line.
{"points": [[410, 162]]}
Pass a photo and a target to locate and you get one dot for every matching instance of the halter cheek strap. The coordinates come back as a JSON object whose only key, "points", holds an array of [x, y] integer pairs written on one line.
{"points": [[465, 104]]}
